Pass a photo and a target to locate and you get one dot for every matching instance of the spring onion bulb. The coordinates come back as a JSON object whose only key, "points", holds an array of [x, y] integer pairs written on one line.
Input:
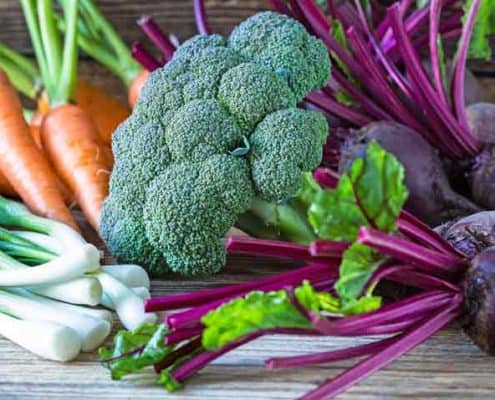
{"points": [[130, 275], [45, 339], [128, 306], [92, 332]]}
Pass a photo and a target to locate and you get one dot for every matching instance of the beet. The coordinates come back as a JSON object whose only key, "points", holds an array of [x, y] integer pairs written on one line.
{"points": [[481, 120], [473, 234], [481, 174], [430, 196], [479, 301]]}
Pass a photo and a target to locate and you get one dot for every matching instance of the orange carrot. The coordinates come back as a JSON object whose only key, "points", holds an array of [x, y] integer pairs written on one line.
{"points": [[6, 189], [34, 128], [20, 159], [136, 86], [71, 141], [107, 112]]}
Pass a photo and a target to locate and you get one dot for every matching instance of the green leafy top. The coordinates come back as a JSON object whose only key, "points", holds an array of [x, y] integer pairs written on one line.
{"points": [[371, 193], [479, 46], [261, 311], [57, 61], [135, 350]]}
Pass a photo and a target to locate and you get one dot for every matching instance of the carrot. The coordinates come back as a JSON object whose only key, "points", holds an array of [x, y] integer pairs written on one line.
{"points": [[106, 111], [79, 156], [6, 189], [34, 128], [136, 86], [20, 159]]}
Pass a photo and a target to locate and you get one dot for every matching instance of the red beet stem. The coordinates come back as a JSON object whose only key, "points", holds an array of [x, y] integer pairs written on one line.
{"points": [[143, 57], [184, 300], [200, 17], [157, 37], [178, 336], [182, 351], [409, 252], [328, 356], [404, 344], [417, 305], [326, 178], [272, 248]]}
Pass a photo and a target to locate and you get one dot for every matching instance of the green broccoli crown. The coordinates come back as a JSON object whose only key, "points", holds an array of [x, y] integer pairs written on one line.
{"points": [[213, 129], [292, 138], [192, 205], [282, 44]]}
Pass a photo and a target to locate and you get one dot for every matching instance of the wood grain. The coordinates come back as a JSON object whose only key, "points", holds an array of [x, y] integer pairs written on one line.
{"points": [[448, 366]]}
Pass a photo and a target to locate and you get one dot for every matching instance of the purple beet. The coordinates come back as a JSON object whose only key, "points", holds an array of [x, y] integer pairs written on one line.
{"points": [[481, 175], [430, 196], [479, 301]]}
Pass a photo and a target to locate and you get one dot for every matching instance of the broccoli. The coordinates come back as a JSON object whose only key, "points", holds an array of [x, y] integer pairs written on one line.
{"points": [[214, 132]]}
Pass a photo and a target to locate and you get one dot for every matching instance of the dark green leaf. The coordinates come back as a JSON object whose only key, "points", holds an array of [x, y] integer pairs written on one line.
{"points": [[358, 264], [244, 315], [371, 193], [135, 350]]}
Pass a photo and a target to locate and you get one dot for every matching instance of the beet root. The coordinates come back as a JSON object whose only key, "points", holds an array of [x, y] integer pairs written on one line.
{"points": [[430, 196], [481, 121], [479, 301], [473, 234], [481, 178]]}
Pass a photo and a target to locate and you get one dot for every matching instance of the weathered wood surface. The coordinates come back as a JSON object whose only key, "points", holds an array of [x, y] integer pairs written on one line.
{"points": [[446, 367]]}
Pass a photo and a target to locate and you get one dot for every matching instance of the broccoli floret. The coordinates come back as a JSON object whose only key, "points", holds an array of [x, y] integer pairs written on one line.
{"points": [[198, 43], [213, 129], [243, 90], [282, 44], [293, 138], [202, 128], [126, 236], [192, 200]]}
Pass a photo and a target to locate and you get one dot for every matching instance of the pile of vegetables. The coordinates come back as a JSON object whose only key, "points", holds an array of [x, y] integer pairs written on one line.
{"points": [[341, 171], [380, 77], [50, 277], [365, 240]]}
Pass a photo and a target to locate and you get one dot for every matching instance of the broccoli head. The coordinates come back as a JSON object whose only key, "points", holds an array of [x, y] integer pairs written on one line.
{"points": [[214, 129]]}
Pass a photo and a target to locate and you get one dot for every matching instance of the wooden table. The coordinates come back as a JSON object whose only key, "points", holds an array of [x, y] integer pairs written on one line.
{"points": [[448, 366]]}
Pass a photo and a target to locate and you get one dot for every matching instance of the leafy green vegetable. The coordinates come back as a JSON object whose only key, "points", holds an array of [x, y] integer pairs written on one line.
{"points": [[479, 46], [371, 193], [135, 350], [260, 311], [358, 264]]}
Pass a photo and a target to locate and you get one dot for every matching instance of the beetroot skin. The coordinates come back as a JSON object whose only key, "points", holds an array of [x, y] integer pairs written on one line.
{"points": [[479, 301]]}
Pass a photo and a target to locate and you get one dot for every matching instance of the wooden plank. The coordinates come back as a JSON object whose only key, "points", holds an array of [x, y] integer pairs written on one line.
{"points": [[172, 15]]}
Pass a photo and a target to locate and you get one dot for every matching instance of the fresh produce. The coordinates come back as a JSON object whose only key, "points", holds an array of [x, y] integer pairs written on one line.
{"points": [[432, 199], [57, 343], [365, 239], [46, 268], [210, 133], [106, 111], [98, 38], [28, 171], [70, 138], [380, 77]]}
